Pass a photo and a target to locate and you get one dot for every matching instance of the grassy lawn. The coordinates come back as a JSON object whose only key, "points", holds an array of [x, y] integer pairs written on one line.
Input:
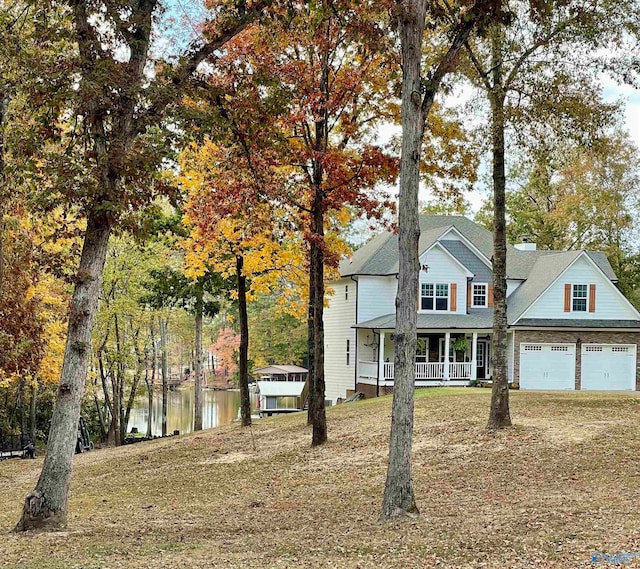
{"points": [[560, 485]]}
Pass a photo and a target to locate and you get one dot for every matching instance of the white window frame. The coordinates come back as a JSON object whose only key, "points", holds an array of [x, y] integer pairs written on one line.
{"points": [[574, 297], [348, 351], [473, 295], [434, 296]]}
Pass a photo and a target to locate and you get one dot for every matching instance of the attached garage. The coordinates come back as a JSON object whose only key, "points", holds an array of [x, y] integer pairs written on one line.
{"points": [[547, 366], [609, 367]]}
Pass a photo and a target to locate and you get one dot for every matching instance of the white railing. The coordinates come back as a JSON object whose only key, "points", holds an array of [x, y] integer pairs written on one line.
{"points": [[368, 369], [460, 371], [430, 370]]}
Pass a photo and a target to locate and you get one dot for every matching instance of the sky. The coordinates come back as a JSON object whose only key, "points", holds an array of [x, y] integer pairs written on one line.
{"points": [[190, 12], [631, 98]]}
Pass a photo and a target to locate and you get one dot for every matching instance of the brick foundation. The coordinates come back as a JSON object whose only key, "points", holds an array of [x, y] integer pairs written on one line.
{"points": [[573, 337]]}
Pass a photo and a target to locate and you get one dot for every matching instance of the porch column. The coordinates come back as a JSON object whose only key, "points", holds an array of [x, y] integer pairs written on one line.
{"points": [[474, 357], [381, 357], [447, 342]]}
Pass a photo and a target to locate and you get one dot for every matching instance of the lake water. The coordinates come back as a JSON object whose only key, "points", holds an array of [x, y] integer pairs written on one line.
{"points": [[218, 408]]}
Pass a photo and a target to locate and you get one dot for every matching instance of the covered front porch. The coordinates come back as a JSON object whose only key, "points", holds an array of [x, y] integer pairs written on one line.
{"points": [[442, 357]]}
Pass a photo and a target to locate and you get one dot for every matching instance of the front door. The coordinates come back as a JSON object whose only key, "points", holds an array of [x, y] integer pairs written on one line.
{"points": [[482, 359]]}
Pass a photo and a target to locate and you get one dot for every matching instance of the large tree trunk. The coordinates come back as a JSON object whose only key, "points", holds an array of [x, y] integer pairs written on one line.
{"points": [[316, 293], [417, 99], [197, 420], [319, 416], [46, 506], [399, 498], [311, 343], [499, 415], [165, 372], [243, 370]]}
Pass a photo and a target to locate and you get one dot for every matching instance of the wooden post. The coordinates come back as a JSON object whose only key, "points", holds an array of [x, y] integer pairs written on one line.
{"points": [[447, 344], [474, 356], [381, 357]]}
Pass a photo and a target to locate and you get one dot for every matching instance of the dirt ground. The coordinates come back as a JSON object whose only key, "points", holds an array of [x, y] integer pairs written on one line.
{"points": [[559, 487]]}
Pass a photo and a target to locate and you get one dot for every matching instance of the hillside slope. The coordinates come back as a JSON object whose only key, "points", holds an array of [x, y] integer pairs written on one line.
{"points": [[562, 484]]}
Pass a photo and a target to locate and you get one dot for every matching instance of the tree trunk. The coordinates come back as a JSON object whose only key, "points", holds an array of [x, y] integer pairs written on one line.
{"points": [[317, 254], [23, 406], [165, 374], [32, 414], [150, 383], [197, 422], [243, 363], [118, 386], [46, 506], [399, 498], [417, 100], [4, 106], [311, 339], [316, 265], [103, 426], [499, 415], [141, 368]]}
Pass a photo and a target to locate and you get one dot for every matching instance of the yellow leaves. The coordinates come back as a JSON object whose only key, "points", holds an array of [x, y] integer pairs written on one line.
{"points": [[31, 291], [52, 313]]}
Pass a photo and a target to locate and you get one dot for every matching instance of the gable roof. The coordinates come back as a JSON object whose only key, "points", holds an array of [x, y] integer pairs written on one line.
{"points": [[380, 255], [544, 271], [469, 259]]}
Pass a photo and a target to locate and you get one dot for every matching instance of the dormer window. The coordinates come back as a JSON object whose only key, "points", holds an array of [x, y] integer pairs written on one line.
{"points": [[434, 296], [479, 292], [579, 298]]}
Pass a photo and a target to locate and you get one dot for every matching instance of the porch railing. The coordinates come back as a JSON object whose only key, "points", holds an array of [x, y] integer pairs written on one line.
{"points": [[460, 370], [430, 370], [368, 369]]}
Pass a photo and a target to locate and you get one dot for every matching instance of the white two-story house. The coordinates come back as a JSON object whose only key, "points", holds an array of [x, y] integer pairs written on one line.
{"points": [[569, 327]]}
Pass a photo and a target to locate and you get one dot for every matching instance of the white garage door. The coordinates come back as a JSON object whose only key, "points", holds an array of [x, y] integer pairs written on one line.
{"points": [[547, 366], [608, 367]]}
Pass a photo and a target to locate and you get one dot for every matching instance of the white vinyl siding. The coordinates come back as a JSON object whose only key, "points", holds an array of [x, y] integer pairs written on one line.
{"points": [[376, 297], [339, 317], [443, 269], [510, 355], [610, 304]]}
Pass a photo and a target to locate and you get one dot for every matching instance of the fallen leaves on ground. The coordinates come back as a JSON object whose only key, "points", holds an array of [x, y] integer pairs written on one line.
{"points": [[563, 483]]}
